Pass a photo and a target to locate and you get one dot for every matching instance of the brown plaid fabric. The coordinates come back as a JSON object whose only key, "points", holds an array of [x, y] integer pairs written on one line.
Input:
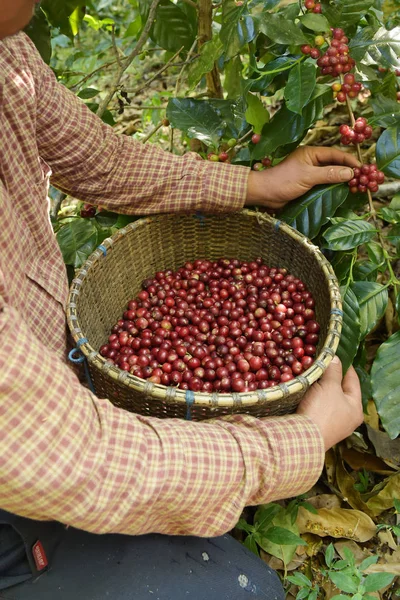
{"points": [[65, 454]]}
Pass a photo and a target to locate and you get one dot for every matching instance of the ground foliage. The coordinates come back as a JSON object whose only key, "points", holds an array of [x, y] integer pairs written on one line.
{"points": [[219, 72]]}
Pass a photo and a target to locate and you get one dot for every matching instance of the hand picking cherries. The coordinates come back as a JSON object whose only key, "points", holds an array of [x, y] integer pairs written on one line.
{"points": [[225, 326], [366, 177]]}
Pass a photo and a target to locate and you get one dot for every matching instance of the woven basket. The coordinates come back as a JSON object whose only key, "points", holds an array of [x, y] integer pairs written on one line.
{"points": [[113, 274]]}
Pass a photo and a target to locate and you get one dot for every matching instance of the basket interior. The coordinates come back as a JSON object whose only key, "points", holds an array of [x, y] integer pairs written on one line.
{"points": [[168, 241]]}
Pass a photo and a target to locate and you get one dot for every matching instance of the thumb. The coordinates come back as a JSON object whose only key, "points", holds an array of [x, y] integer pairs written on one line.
{"points": [[331, 174], [334, 372]]}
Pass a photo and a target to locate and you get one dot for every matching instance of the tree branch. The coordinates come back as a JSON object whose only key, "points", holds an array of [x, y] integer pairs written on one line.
{"points": [[125, 62]]}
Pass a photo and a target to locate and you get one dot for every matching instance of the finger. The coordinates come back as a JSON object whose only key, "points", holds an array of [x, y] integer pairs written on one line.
{"points": [[334, 372], [351, 384], [331, 156], [330, 174]]}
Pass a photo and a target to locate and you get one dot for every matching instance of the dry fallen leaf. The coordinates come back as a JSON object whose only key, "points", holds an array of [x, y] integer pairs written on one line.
{"points": [[383, 500], [345, 483], [359, 553], [337, 523], [385, 537], [372, 417], [324, 501], [385, 448], [330, 465], [362, 460]]}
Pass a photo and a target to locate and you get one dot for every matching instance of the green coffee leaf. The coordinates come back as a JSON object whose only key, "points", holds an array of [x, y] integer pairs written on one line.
{"points": [[237, 28], [344, 582], [376, 581], [172, 29], [389, 215], [351, 328], [197, 119], [209, 53], [315, 22], [134, 27], [372, 299], [381, 47], [77, 240], [365, 270], [311, 211], [349, 234], [385, 382], [341, 263], [88, 93], [256, 114], [375, 253], [280, 30], [287, 127], [365, 383], [346, 12], [388, 152], [59, 11], [386, 111], [300, 86]]}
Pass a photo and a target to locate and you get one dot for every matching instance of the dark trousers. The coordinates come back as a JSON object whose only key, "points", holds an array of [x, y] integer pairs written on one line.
{"points": [[85, 566]]}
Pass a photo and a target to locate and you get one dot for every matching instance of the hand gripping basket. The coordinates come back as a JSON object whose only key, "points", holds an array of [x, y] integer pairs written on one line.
{"points": [[113, 274]]}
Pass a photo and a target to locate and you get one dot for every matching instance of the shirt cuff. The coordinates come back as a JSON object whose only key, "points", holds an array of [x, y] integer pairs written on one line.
{"points": [[224, 187]]}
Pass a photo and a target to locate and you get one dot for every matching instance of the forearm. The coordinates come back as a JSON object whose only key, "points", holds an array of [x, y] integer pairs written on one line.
{"points": [[68, 456]]}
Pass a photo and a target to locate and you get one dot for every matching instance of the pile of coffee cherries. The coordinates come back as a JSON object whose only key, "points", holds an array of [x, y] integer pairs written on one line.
{"points": [[367, 177], [225, 326], [357, 134], [311, 6]]}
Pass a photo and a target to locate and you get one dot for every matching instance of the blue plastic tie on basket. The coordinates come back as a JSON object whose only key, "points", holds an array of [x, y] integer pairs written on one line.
{"points": [[80, 342], [81, 359], [189, 398], [200, 217], [103, 249], [277, 225], [337, 311]]}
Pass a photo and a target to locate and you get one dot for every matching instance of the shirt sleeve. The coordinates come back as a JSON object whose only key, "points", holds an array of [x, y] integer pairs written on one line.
{"points": [[90, 162], [69, 456]]}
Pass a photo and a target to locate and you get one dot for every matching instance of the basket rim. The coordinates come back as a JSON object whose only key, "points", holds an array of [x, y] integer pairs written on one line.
{"points": [[173, 395]]}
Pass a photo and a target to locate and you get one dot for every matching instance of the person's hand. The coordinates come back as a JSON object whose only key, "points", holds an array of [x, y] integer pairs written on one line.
{"points": [[298, 173], [334, 404]]}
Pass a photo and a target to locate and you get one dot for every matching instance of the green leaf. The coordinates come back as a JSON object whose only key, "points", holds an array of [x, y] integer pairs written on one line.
{"points": [[302, 593], [97, 24], [315, 22], [349, 234], [283, 537], [251, 544], [344, 582], [367, 562], [351, 329], [365, 270], [287, 127], [375, 253], [346, 12], [284, 552], [280, 30], [209, 53], [172, 29], [59, 11], [237, 28], [385, 382], [77, 240], [377, 581], [389, 215], [88, 93], [381, 47], [329, 555], [395, 202], [396, 504], [388, 152], [196, 118], [39, 31], [340, 597], [265, 514], [300, 580], [244, 526], [300, 86], [134, 27], [311, 211], [256, 114], [342, 262], [386, 111], [372, 299]]}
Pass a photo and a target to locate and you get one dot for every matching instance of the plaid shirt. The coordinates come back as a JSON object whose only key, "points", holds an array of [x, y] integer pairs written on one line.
{"points": [[65, 454]]}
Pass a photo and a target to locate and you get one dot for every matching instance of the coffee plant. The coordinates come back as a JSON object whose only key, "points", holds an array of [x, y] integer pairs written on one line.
{"points": [[249, 81]]}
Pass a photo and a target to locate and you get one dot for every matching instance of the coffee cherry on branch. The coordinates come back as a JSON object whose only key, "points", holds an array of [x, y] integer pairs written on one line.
{"points": [[357, 134], [266, 161], [319, 40], [88, 211], [213, 157], [317, 8], [258, 166], [336, 59], [217, 326], [366, 177], [223, 156], [255, 138]]}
